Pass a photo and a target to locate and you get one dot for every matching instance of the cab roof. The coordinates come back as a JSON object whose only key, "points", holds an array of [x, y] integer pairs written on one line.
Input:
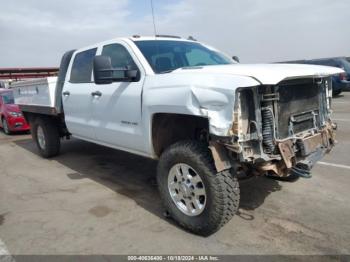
{"points": [[136, 38], [161, 37]]}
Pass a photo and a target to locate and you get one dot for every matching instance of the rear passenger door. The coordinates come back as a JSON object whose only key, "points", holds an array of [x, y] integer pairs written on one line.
{"points": [[76, 95]]}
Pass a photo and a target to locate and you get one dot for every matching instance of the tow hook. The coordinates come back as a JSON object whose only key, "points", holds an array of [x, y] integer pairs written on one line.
{"points": [[334, 126], [301, 170]]}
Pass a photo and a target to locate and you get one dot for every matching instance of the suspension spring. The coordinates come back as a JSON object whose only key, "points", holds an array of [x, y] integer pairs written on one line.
{"points": [[268, 130]]}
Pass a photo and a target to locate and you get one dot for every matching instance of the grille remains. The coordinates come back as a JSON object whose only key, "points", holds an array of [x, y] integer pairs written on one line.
{"points": [[298, 107]]}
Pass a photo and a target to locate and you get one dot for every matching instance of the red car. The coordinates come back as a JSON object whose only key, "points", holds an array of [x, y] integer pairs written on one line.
{"points": [[12, 119]]}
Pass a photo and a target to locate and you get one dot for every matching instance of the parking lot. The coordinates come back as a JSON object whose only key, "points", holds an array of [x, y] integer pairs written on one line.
{"points": [[95, 200]]}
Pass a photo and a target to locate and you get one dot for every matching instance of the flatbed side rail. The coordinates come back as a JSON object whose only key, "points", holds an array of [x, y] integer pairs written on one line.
{"points": [[45, 110]]}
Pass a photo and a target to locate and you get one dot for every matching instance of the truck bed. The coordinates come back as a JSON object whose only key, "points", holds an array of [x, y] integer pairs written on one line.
{"points": [[44, 95], [38, 92], [38, 95]]}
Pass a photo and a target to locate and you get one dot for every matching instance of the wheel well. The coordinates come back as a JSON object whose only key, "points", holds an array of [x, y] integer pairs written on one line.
{"points": [[58, 120], [170, 128], [29, 117], [1, 119]]}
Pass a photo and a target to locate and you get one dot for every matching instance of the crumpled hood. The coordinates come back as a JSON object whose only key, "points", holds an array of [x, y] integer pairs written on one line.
{"points": [[12, 108], [267, 74]]}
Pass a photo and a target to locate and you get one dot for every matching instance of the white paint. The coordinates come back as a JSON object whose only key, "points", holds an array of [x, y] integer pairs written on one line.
{"points": [[267, 74], [5, 255], [3, 249], [39, 92], [339, 102], [334, 165], [341, 119]]}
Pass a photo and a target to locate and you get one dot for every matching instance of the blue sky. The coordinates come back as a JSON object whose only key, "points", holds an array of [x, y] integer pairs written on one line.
{"points": [[38, 32]]}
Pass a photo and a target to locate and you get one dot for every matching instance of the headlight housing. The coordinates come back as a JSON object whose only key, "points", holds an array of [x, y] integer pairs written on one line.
{"points": [[15, 114]]}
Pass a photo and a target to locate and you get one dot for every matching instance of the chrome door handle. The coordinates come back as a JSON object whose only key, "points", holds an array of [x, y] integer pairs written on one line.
{"points": [[66, 93], [96, 93]]}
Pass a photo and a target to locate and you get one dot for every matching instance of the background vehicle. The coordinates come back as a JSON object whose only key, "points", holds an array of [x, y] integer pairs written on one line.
{"points": [[205, 117], [339, 82], [12, 119]]}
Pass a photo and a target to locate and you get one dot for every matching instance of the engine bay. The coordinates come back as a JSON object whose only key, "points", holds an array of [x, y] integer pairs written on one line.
{"points": [[284, 127]]}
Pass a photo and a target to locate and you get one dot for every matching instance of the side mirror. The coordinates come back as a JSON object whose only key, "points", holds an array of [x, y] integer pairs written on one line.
{"points": [[132, 74], [235, 58], [103, 71]]}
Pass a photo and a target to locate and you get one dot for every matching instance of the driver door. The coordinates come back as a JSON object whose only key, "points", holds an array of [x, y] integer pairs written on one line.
{"points": [[117, 111]]}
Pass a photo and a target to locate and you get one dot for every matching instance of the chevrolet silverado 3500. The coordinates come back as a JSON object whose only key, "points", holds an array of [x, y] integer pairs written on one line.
{"points": [[204, 116]]}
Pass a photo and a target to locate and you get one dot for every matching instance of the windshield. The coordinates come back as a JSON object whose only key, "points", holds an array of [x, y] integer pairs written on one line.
{"points": [[8, 98], [165, 56]]}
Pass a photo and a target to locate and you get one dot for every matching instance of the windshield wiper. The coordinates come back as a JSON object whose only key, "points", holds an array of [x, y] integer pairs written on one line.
{"points": [[167, 71]]}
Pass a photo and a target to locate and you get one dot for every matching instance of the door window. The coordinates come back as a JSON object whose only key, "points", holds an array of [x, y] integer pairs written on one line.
{"points": [[197, 57], [120, 58], [82, 66]]}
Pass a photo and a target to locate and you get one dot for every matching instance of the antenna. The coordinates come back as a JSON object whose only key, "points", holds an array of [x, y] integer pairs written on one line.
{"points": [[154, 23]]}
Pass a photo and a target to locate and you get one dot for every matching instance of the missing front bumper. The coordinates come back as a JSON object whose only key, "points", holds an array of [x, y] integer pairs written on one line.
{"points": [[301, 153]]}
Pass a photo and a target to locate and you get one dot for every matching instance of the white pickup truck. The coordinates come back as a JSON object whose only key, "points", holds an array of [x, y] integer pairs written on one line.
{"points": [[205, 117]]}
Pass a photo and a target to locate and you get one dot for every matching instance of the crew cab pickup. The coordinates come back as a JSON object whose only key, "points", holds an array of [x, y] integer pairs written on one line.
{"points": [[207, 118]]}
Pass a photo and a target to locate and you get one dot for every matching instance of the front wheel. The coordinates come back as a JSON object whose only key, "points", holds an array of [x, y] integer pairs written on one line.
{"points": [[195, 195], [45, 134], [5, 127]]}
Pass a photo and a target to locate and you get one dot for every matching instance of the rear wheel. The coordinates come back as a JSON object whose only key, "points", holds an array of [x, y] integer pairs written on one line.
{"points": [[46, 136], [5, 127], [195, 195]]}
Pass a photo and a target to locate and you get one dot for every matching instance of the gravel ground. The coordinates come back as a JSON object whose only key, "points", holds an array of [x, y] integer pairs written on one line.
{"points": [[95, 200]]}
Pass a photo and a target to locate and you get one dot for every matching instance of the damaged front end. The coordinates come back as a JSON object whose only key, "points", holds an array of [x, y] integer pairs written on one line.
{"points": [[280, 129]]}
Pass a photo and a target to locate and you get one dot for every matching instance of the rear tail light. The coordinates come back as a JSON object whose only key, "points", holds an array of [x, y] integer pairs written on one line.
{"points": [[342, 76]]}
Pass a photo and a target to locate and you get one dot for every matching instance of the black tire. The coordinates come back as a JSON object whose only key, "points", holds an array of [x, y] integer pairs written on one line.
{"points": [[337, 93], [5, 127], [51, 136], [222, 189]]}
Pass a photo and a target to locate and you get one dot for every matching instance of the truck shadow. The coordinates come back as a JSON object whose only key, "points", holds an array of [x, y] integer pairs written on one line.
{"points": [[254, 191], [135, 177]]}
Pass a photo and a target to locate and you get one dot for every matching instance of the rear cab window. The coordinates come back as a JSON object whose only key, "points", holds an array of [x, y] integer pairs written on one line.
{"points": [[81, 71]]}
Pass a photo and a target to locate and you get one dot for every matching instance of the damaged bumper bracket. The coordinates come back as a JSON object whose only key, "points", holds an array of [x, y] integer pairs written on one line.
{"points": [[303, 153]]}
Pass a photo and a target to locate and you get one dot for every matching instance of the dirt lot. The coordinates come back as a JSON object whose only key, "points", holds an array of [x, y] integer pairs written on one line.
{"points": [[94, 200]]}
